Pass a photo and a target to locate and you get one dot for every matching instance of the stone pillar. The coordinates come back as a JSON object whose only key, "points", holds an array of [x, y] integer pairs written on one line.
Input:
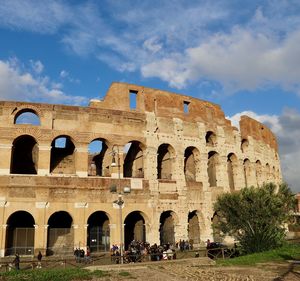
{"points": [[119, 160], [5, 159], [221, 171], [3, 226], [81, 161], [203, 176], [3, 239], [44, 160]]}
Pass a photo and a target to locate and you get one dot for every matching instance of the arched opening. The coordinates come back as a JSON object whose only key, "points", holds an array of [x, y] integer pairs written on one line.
{"points": [[247, 172], [60, 234], [133, 163], [20, 234], [98, 165], [210, 138], [216, 231], [134, 228], [167, 228], [24, 155], [212, 164], [62, 156], [190, 164], [258, 173], [98, 234], [231, 170], [244, 145], [28, 117], [165, 156], [193, 229], [268, 172]]}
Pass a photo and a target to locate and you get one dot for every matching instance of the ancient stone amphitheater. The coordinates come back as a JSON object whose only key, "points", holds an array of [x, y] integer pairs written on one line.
{"points": [[68, 173]]}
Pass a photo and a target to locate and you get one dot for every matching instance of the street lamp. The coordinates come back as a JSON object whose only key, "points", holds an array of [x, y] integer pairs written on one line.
{"points": [[119, 201]]}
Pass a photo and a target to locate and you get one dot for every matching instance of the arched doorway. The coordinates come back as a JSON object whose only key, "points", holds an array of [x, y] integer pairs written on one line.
{"points": [[193, 229], [231, 170], [97, 158], [190, 168], [212, 164], [20, 234], [60, 234], [62, 159], [134, 228], [133, 163], [167, 228], [24, 155], [98, 234], [165, 159]]}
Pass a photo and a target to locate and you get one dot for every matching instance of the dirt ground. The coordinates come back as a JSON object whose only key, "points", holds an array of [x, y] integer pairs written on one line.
{"points": [[199, 269]]}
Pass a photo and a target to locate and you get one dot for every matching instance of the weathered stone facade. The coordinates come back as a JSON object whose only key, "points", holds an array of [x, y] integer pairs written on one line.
{"points": [[183, 152]]}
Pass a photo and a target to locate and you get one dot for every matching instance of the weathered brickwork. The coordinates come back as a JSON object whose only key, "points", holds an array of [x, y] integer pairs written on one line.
{"points": [[175, 152]]}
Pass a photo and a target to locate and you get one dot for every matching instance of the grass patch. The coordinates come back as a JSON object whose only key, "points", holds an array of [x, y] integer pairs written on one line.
{"points": [[287, 252], [124, 273], [52, 274]]}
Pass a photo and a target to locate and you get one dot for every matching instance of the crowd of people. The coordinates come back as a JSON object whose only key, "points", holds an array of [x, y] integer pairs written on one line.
{"points": [[142, 251]]}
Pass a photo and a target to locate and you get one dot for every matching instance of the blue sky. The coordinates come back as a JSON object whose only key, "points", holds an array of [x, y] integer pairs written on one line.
{"points": [[243, 55]]}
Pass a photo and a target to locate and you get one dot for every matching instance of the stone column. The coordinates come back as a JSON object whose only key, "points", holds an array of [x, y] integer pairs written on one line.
{"points": [[81, 161], [3, 226], [5, 159], [3, 239], [118, 158], [44, 160]]}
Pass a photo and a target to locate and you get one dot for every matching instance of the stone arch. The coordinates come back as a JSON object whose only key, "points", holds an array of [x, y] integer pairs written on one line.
{"points": [[244, 145], [27, 116], [191, 158], [193, 229], [98, 162], [24, 155], [60, 237], [212, 166], [258, 172], [217, 235], [98, 232], [134, 160], [165, 159], [167, 222], [247, 171], [210, 138], [232, 163], [135, 228], [20, 233], [62, 159]]}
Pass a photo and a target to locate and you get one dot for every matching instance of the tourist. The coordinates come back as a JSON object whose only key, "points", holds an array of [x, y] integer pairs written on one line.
{"points": [[39, 258], [16, 261]]}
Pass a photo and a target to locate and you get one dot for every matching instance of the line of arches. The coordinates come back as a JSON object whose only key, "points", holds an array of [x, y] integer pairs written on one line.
{"points": [[20, 231], [25, 156]]}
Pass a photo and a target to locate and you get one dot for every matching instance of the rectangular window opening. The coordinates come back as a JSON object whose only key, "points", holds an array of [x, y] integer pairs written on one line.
{"points": [[132, 99], [186, 107]]}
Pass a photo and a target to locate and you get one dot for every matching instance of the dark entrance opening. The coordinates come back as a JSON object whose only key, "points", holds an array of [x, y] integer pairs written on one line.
{"points": [[24, 155], [60, 234], [133, 162], [193, 229], [134, 228], [20, 234], [98, 235], [167, 230]]}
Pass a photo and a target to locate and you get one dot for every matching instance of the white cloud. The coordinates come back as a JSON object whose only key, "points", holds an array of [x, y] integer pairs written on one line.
{"points": [[18, 83], [241, 47], [37, 66], [287, 129], [64, 74]]}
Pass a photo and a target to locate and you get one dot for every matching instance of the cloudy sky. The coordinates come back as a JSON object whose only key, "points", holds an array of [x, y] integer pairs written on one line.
{"points": [[243, 55]]}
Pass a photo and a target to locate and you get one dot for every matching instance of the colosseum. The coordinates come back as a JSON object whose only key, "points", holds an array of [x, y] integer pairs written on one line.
{"points": [[140, 164]]}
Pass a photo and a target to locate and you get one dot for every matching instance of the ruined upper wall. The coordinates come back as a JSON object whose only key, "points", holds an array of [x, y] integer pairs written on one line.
{"points": [[258, 131], [162, 103]]}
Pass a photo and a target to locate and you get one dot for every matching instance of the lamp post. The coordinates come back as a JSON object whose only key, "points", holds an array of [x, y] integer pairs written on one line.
{"points": [[119, 201]]}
